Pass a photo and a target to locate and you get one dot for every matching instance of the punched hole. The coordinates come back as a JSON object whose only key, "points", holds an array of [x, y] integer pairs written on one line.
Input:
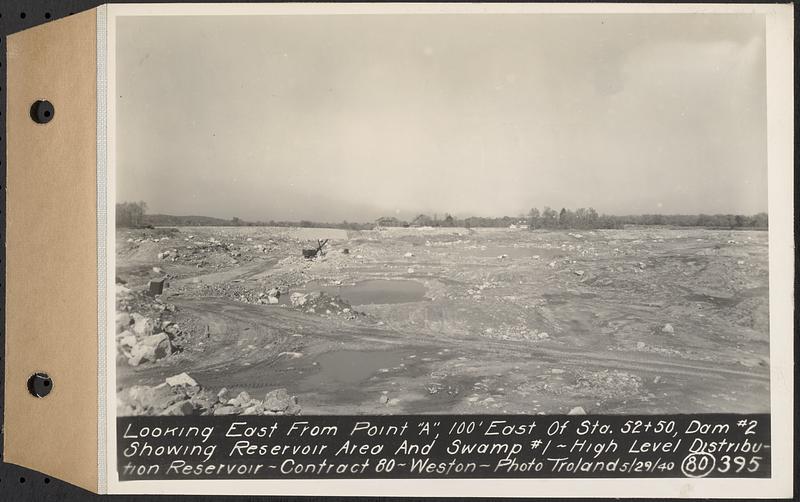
{"points": [[40, 384]]}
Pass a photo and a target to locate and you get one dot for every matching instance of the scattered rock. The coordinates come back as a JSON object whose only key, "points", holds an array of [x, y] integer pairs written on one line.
{"points": [[181, 379], [150, 348]]}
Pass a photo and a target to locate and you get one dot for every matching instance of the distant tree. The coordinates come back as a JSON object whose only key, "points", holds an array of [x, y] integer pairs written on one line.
{"points": [[236, 221], [562, 218], [549, 217], [422, 220], [534, 219], [448, 221], [130, 214]]}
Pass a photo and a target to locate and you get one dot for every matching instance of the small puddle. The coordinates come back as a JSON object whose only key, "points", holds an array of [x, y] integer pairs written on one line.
{"points": [[374, 292], [349, 367]]}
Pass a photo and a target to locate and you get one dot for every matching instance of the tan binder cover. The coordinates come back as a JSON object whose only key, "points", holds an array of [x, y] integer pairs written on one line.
{"points": [[51, 251]]}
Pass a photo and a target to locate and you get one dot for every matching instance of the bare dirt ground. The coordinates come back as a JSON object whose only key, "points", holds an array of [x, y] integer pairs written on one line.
{"points": [[646, 320]]}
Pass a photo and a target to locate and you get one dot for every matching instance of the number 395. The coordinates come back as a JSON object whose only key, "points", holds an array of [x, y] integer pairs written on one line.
{"points": [[738, 464]]}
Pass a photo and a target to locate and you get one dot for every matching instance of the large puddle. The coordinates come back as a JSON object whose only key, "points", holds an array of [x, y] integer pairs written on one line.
{"points": [[340, 370], [374, 292], [349, 367]]}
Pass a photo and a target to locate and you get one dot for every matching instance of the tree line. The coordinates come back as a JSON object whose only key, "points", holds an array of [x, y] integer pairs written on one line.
{"points": [[134, 215]]}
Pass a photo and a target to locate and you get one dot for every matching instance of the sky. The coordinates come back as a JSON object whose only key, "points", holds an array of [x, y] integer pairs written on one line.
{"points": [[348, 117]]}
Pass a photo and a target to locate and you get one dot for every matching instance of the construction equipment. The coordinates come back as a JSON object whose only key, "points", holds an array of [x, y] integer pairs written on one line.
{"points": [[310, 254]]}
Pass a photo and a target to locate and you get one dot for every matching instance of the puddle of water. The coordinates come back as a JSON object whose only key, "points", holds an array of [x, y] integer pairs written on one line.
{"points": [[374, 292], [349, 367]]}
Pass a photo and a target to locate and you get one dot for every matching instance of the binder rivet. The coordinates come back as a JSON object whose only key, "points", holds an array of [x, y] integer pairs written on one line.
{"points": [[42, 112], [40, 384]]}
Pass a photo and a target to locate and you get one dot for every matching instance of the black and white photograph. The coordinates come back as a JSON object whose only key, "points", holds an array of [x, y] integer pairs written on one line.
{"points": [[412, 214]]}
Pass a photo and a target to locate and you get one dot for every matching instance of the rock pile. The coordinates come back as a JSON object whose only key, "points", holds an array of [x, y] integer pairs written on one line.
{"points": [[140, 338], [317, 302], [182, 395]]}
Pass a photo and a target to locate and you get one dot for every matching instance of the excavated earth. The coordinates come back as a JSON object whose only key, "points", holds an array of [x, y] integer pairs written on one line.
{"points": [[448, 320]]}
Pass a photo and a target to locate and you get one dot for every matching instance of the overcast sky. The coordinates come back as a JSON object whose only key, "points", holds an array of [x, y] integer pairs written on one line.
{"points": [[353, 117]]}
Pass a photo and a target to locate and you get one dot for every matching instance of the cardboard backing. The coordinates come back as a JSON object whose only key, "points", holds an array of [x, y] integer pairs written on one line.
{"points": [[51, 251]]}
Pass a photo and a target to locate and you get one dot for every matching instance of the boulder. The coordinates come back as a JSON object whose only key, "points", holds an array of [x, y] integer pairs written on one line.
{"points": [[578, 410], [182, 379], [227, 410], [241, 400], [278, 400], [150, 348], [273, 300], [293, 408], [274, 292], [668, 329], [126, 339], [151, 400], [256, 409], [123, 293], [123, 320], [181, 409], [298, 299], [142, 326]]}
